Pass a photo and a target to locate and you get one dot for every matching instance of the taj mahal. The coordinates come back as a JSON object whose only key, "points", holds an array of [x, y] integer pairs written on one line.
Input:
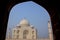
{"points": [[25, 31]]}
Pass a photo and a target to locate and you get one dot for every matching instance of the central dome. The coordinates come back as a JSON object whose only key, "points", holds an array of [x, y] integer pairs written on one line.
{"points": [[24, 22]]}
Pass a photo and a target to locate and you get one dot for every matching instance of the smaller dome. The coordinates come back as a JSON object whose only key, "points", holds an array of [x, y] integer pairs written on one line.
{"points": [[24, 22], [32, 26]]}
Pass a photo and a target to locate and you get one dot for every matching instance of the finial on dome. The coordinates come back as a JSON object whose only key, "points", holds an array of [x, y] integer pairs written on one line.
{"points": [[24, 18], [49, 21]]}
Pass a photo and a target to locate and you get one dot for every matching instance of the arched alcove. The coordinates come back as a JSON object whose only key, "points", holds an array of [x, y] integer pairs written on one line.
{"points": [[34, 11]]}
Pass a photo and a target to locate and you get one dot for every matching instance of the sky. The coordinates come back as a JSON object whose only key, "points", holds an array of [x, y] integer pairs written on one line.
{"points": [[34, 13]]}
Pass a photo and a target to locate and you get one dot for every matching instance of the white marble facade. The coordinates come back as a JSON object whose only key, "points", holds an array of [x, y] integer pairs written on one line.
{"points": [[25, 31]]}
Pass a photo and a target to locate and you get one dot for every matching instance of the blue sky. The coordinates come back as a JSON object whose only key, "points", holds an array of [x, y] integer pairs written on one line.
{"points": [[34, 13]]}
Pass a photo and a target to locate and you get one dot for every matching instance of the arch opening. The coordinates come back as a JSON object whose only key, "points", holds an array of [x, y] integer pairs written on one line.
{"points": [[31, 14]]}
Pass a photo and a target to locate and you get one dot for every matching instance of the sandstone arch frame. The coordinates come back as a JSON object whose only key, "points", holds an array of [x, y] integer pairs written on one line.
{"points": [[50, 6]]}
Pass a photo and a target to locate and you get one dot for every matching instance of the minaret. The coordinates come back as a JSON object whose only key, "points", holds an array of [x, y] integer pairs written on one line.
{"points": [[9, 34], [50, 30]]}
